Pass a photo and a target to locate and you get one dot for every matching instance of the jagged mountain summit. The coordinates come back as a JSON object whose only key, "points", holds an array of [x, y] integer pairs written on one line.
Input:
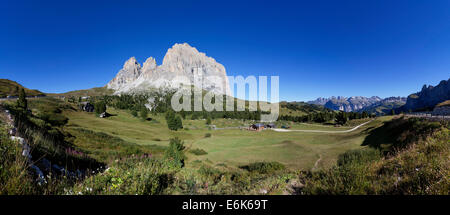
{"points": [[181, 61]]}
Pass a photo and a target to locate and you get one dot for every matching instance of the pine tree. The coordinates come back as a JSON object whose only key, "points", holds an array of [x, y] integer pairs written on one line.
{"points": [[175, 152], [171, 120], [178, 123], [22, 101], [100, 107], [144, 113], [341, 118], [134, 113]]}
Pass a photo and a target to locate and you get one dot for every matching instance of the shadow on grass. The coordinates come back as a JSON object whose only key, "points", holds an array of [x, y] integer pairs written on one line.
{"points": [[399, 133], [380, 138]]}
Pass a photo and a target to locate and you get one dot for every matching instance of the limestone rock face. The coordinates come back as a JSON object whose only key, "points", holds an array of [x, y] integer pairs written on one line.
{"points": [[181, 63], [130, 72]]}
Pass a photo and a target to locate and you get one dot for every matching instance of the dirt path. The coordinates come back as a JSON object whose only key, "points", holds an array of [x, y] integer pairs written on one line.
{"points": [[317, 162], [321, 131]]}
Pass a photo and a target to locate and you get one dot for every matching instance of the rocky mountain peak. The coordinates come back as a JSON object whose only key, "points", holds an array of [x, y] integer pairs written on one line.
{"points": [[428, 97], [149, 64], [130, 72], [131, 63], [181, 60]]}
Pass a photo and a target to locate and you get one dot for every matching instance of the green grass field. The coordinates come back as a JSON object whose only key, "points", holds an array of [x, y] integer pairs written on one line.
{"points": [[230, 147]]}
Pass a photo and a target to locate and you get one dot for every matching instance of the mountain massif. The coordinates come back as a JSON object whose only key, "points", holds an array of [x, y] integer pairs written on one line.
{"points": [[181, 60]]}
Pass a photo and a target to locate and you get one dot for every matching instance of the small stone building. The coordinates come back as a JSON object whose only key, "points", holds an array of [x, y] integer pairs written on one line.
{"points": [[88, 107], [256, 127]]}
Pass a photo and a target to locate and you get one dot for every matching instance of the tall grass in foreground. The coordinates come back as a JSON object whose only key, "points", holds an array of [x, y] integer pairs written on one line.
{"points": [[14, 177]]}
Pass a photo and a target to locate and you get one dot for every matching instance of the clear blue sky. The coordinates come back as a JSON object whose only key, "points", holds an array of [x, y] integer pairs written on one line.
{"points": [[318, 48]]}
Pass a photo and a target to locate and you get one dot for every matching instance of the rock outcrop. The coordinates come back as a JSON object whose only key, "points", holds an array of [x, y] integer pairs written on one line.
{"points": [[428, 97], [181, 61]]}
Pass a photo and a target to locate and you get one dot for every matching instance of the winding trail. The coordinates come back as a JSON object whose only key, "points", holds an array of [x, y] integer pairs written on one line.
{"points": [[317, 162], [321, 131]]}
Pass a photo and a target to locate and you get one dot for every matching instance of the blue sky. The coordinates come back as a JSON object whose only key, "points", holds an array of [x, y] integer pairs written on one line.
{"points": [[317, 48]]}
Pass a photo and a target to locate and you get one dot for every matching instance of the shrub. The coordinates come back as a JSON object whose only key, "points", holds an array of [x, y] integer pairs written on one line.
{"points": [[264, 167], [208, 135], [198, 152], [144, 113]]}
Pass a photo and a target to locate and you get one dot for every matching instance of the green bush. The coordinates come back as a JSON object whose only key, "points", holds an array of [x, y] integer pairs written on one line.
{"points": [[264, 167], [208, 135], [144, 113], [198, 152]]}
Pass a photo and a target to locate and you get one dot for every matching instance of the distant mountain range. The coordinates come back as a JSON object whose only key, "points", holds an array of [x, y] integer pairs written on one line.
{"points": [[427, 98], [372, 104], [384, 106]]}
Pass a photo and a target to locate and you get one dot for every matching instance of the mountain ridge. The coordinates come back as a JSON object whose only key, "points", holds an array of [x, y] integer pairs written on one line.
{"points": [[428, 97]]}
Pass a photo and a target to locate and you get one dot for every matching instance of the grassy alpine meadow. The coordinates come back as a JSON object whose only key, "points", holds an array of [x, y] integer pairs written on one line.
{"points": [[229, 143], [126, 153]]}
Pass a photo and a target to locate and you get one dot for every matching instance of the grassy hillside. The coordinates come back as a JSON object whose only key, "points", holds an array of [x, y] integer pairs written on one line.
{"points": [[405, 156], [9, 88], [442, 104], [299, 108], [96, 91]]}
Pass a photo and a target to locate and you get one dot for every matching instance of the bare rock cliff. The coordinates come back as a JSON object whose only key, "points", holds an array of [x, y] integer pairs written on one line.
{"points": [[181, 60]]}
